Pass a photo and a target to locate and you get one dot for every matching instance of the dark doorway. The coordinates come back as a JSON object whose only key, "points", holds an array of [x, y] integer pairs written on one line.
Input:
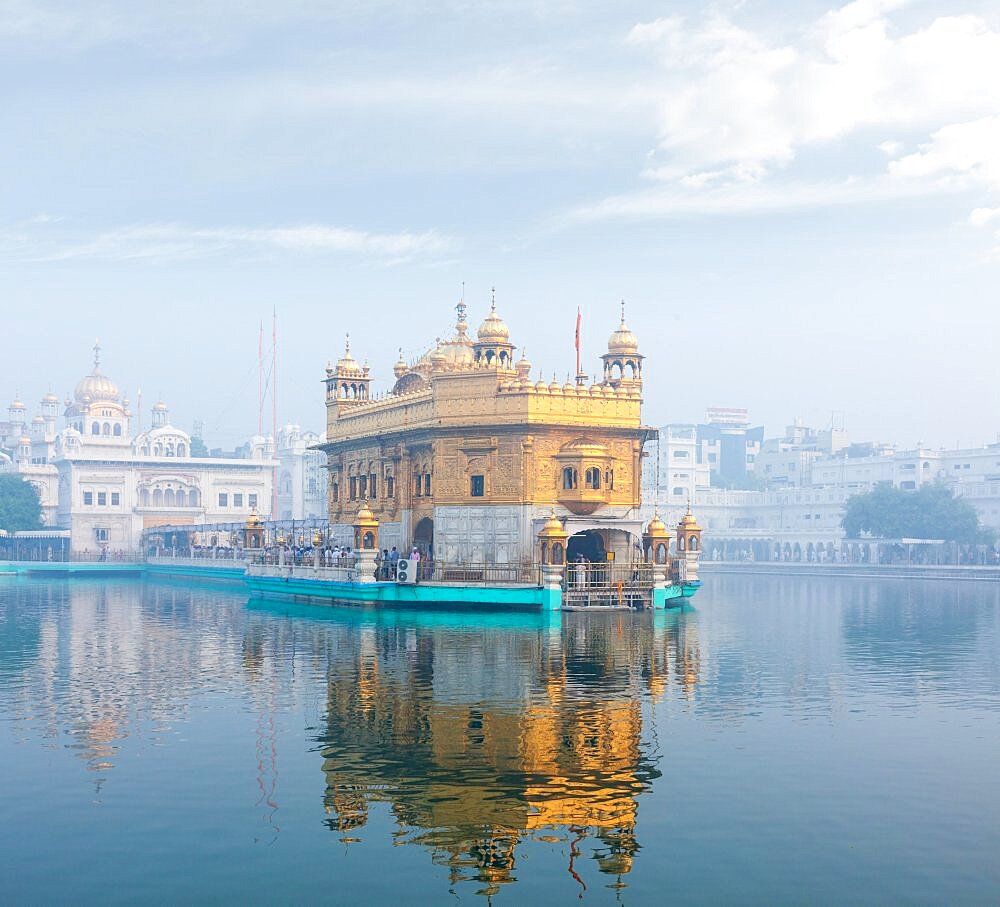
{"points": [[423, 537], [588, 543]]}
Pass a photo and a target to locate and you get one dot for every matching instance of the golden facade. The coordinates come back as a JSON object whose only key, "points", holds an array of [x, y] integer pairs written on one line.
{"points": [[466, 455]]}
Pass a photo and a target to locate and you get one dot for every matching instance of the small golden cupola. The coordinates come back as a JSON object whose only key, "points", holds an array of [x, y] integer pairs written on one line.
{"points": [[688, 533], [493, 348], [350, 382], [400, 368], [623, 361]]}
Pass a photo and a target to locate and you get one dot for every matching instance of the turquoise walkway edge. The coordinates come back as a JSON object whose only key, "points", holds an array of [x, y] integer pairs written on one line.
{"points": [[397, 594], [302, 588]]}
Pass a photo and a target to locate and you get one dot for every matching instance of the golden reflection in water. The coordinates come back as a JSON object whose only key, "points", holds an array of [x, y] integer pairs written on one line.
{"points": [[477, 742]]}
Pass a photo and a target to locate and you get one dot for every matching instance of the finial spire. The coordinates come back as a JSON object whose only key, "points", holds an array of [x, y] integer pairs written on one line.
{"points": [[623, 311], [347, 344], [97, 355], [493, 299]]}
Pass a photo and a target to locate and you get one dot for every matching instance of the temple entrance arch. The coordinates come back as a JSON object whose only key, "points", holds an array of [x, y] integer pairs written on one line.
{"points": [[423, 537], [589, 543]]}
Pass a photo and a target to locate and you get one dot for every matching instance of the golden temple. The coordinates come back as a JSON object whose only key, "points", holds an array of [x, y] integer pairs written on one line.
{"points": [[466, 456]]}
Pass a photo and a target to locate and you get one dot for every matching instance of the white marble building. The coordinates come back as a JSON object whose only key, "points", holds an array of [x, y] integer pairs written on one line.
{"points": [[105, 485], [301, 475]]}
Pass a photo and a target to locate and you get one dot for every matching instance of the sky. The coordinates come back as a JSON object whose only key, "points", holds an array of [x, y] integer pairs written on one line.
{"points": [[799, 202]]}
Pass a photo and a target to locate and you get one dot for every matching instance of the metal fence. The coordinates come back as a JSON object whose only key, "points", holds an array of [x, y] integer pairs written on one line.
{"points": [[303, 571], [608, 585], [481, 574]]}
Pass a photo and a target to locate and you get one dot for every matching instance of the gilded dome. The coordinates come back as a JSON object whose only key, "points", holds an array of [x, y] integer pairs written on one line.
{"points": [[455, 353], [493, 329], [50, 398], [553, 527], [400, 368], [584, 448], [159, 407], [623, 340], [524, 365], [688, 522], [347, 363], [96, 386], [17, 404], [656, 527]]}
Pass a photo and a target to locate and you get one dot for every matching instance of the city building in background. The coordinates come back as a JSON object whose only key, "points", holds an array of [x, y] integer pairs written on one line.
{"points": [[728, 445], [105, 481], [301, 475]]}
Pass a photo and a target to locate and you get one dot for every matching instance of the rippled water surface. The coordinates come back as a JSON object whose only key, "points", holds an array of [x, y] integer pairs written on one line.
{"points": [[791, 740]]}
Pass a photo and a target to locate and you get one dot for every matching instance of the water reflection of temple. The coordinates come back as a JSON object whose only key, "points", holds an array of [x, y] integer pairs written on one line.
{"points": [[480, 741]]}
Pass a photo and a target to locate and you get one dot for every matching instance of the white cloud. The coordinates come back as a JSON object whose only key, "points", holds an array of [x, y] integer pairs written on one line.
{"points": [[737, 106], [980, 217], [690, 196], [171, 242], [966, 151]]}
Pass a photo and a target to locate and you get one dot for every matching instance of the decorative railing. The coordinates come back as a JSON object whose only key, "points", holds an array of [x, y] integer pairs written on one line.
{"points": [[101, 557], [206, 562], [303, 571], [481, 574], [607, 585]]}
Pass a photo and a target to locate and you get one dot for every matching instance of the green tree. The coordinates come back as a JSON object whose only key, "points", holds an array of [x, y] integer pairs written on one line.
{"points": [[929, 512], [20, 507]]}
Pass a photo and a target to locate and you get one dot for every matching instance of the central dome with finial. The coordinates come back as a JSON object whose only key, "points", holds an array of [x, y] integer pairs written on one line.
{"points": [[347, 363], [623, 340], [493, 329], [96, 386]]}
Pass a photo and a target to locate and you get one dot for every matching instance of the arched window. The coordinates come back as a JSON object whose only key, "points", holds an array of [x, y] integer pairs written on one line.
{"points": [[170, 450], [677, 490], [107, 429], [193, 497], [592, 478], [117, 430], [569, 478], [168, 498], [693, 544], [181, 450], [158, 450], [143, 497], [181, 500], [95, 429], [157, 497]]}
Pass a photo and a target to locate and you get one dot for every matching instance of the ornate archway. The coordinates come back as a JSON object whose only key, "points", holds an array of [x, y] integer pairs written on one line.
{"points": [[423, 537]]}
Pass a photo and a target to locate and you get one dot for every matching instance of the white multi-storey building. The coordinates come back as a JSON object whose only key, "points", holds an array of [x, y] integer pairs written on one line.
{"points": [[106, 486], [675, 476], [301, 475]]}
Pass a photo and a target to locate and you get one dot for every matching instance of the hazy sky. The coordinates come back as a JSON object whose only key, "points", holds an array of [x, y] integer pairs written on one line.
{"points": [[799, 201]]}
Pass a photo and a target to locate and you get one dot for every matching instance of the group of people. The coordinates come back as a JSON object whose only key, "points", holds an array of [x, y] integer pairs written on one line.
{"points": [[387, 563]]}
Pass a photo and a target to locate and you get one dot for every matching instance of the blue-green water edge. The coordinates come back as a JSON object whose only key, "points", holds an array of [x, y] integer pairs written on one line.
{"points": [[790, 740]]}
